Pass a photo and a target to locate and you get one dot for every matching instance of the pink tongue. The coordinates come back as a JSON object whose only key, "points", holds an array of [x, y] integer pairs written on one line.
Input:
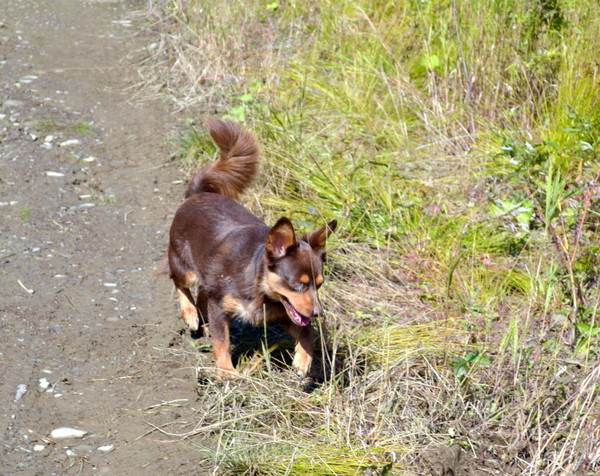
{"points": [[300, 319]]}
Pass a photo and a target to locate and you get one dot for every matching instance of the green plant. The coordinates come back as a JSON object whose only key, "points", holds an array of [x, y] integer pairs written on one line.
{"points": [[238, 113], [463, 366]]}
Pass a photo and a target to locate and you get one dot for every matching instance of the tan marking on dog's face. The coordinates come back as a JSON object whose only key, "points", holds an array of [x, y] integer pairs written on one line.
{"points": [[304, 279], [304, 301], [319, 280]]}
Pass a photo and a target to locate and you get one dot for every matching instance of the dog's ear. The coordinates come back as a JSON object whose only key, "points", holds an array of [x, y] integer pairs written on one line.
{"points": [[316, 239], [281, 239]]}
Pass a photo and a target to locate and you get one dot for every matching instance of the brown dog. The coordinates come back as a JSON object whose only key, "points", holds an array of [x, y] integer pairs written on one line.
{"points": [[242, 267]]}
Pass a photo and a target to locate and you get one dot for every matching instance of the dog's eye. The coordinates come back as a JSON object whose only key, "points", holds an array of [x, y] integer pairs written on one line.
{"points": [[298, 287]]}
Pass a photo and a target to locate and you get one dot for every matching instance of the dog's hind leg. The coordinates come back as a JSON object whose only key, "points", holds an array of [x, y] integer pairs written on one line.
{"points": [[186, 301], [188, 308]]}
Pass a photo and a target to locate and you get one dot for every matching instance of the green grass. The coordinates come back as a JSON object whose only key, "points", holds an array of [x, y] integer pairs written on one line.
{"points": [[457, 142], [51, 125]]}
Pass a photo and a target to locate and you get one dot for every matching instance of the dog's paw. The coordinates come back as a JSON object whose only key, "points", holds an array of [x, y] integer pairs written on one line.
{"points": [[229, 374], [191, 319], [300, 373], [302, 363]]}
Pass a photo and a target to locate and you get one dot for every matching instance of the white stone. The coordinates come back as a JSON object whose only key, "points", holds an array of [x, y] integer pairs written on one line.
{"points": [[21, 390], [70, 142], [64, 432]]}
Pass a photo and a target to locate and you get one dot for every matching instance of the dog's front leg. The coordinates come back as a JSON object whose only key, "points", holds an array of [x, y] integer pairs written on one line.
{"points": [[218, 323], [303, 355]]}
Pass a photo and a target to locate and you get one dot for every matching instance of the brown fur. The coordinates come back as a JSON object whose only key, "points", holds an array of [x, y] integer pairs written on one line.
{"points": [[243, 268], [236, 167]]}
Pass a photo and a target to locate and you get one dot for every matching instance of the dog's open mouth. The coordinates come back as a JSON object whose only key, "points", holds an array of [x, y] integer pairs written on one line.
{"points": [[295, 316]]}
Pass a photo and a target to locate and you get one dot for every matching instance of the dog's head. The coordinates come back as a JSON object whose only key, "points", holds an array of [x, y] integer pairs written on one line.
{"points": [[295, 269]]}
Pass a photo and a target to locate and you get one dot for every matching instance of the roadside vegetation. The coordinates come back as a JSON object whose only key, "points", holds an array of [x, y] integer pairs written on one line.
{"points": [[458, 144]]}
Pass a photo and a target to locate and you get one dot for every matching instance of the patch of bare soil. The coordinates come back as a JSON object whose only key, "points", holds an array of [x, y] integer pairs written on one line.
{"points": [[86, 197]]}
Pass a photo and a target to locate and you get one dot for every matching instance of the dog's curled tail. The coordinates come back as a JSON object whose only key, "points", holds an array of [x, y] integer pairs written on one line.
{"points": [[237, 166]]}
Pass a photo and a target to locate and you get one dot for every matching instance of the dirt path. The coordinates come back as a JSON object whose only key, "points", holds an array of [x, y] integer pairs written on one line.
{"points": [[86, 195]]}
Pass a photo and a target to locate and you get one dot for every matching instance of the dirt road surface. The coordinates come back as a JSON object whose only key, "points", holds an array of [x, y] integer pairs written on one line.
{"points": [[86, 196]]}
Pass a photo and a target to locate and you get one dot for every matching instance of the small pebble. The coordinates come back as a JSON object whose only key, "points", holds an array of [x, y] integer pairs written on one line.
{"points": [[106, 448], [21, 390], [39, 448], [64, 432], [70, 142], [54, 174], [82, 205], [44, 384]]}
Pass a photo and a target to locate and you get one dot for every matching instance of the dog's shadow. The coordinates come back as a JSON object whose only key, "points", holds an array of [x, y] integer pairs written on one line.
{"points": [[249, 343]]}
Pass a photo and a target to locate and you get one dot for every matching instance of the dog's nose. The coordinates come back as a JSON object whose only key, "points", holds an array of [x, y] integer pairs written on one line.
{"points": [[317, 309]]}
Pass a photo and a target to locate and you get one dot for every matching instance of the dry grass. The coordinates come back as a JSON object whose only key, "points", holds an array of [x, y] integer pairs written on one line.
{"points": [[461, 157]]}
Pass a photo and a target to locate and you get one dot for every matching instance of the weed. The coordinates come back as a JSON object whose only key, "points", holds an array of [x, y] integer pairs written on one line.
{"points": [[84, 128], [47, 125]]}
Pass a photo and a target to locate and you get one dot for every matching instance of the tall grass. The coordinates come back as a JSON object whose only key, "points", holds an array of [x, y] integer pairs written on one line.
{"points": [[457, 142]]}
